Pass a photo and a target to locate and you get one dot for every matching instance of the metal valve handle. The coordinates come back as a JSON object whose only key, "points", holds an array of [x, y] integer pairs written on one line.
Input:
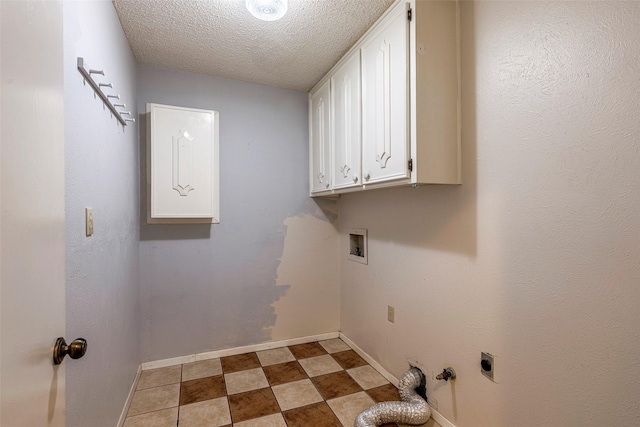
{"points": [[447, 374]]}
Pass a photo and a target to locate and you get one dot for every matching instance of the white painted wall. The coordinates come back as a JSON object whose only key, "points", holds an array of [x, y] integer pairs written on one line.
{"points": [[32, 249], [535, 257], [268, 270], [102, 173]]}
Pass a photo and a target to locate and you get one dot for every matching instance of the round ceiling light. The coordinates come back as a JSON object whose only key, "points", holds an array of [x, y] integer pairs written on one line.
{"points": [[267, 10]]}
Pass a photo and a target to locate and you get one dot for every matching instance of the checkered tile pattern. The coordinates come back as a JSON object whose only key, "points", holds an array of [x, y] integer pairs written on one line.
{"points": [[320, 384]]}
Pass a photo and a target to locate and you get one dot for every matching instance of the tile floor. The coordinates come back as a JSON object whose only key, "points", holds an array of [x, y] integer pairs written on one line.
{"points": [[320, 384]]}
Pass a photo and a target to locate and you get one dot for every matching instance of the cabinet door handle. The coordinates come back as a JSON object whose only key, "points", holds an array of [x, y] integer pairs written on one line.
{"points": [[354, 177], [367, 176], [327, 185]]}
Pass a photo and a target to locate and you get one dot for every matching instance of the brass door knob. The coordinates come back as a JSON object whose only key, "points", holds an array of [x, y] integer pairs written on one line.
{"points": [[75, 350]]}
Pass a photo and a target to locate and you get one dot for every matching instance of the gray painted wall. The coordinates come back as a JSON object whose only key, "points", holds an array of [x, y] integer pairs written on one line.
{"points": [[101, 170], [209, 287]]}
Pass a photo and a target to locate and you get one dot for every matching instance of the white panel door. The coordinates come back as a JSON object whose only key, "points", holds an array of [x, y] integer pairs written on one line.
{"points": [[32, 271], [347, 124], [320, 126], [385, 65], [184, 162]]}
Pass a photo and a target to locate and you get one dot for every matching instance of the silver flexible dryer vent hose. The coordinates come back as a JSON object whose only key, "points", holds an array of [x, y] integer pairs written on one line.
{"points": [[412, 410]]}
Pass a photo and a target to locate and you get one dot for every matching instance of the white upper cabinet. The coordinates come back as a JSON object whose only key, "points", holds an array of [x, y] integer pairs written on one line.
{"points": [[183, 165], [347, 124], [394, 104], [320, 129], [385, 65]]}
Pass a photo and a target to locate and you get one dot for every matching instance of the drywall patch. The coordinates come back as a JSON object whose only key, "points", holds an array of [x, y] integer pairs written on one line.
{"points": [[210, 297], [308, 265], [249, 294]]}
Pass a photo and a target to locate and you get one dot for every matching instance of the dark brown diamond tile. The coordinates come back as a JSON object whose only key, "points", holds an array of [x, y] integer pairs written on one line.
{"points": [[335, 385], [349, 359], [385, 393], [202, 389], [252, 404], [316, 415], [303, 351], [240, 362], [284, 373]]}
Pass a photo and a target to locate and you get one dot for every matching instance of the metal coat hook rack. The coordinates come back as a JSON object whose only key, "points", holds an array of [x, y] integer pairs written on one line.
{"points": [[106, 98]]}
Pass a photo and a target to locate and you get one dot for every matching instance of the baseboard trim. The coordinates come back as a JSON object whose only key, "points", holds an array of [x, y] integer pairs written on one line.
{"points": [[168, 362], [437, 416], [237, 350], [127, 403], [370, 360]]}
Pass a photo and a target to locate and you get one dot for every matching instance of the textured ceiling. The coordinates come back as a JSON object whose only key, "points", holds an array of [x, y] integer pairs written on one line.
{"points": [[221, 38]]}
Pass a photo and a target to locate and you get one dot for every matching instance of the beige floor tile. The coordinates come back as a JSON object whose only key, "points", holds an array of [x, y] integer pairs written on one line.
{"points": [[239, 362], [209, 413], [303, 351], [367, 377], [348, 407], [201, 369], [253, 404], [334, 346], [251, 379], [154, 399], [158, 377], [274, 420], [275, 356], [296, 394], [319, 365], [164, 418]]}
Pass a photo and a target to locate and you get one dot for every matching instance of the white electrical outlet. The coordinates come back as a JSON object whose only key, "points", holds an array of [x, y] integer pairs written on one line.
{"points": [[88, 213], [391, 314]]}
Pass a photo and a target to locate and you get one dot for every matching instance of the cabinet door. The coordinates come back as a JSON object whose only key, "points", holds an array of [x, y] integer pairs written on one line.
{"points": [[385, 65], [347, 124], [320, 123], [183, 166]]}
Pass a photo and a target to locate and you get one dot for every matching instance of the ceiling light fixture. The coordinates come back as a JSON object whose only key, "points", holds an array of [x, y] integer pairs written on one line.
{"points": [[267, 10]]}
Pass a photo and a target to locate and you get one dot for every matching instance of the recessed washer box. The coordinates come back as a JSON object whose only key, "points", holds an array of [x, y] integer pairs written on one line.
{"points": [[358, 250]]}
